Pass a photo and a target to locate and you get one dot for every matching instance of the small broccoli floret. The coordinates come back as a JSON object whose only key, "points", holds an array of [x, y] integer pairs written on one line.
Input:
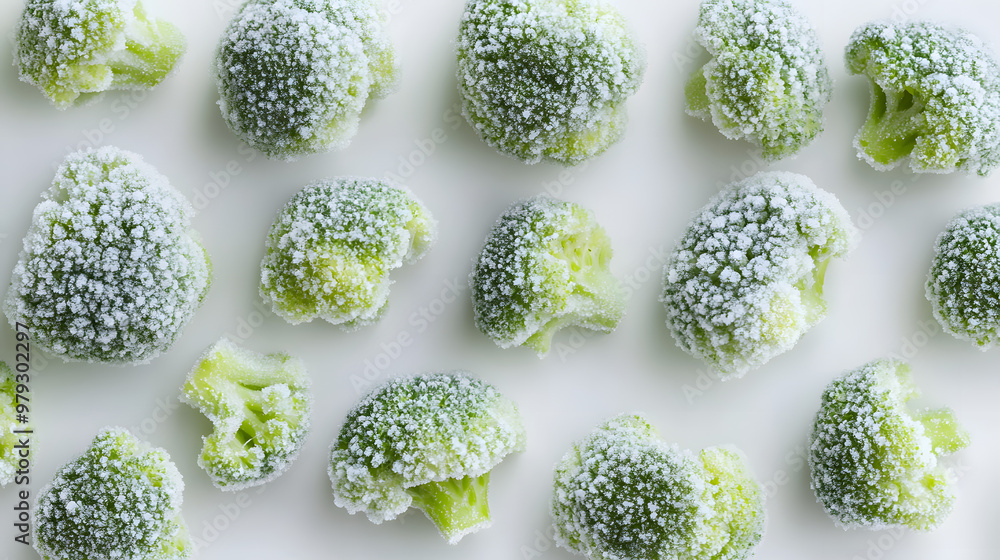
{"points": [[429, 441], [120, 499], [547, 78], [332, 246], [745, 281], [623, 493], [9, 456], [874, 461], [74, 51], [259, 406], [294, 75], [110, 271], [544, 266], [935, 98], [767, 81]]}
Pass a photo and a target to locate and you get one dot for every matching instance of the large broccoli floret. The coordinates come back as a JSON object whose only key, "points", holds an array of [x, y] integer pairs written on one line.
{"points": [[935, 98], [767, 80], [874, 461], [746, 279], [547, 78], [73, 51], [429, 441], [544, 266], [294, 75], [9, 450], [624, 494], [332, 246], [259, 406], [120, 499], [110, 271]]}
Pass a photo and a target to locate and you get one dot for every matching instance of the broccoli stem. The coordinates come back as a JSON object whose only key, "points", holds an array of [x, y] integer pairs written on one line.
{"points": [[944, 431], [811, 293], [458, 506], [894, 123], [151, 50]]}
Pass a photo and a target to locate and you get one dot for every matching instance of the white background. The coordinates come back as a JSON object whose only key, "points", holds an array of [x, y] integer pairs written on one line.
{"points": [[643, 190]]}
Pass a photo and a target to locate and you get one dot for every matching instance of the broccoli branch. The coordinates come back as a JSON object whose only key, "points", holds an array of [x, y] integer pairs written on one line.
{"points": [[458, 506], [895, 121], [152, 47]]}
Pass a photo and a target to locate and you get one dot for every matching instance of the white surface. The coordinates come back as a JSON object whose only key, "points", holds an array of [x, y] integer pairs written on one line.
{"points": [[643, 191]]}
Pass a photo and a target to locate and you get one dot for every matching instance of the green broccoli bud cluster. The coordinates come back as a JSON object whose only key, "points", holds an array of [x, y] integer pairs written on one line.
{"points": [[8, 423], [110, 271], [547, 78]]}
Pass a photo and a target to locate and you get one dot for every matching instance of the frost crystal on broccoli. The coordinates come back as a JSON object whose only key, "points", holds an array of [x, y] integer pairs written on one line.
{"points": [[110, 270], [429, 441], [874, 461], [746, 279], [294, 75], [120, 499], [547, 78], [9, 450], [625, 494], [935, 98], [73, 51], [544, 266], [332, 246]]}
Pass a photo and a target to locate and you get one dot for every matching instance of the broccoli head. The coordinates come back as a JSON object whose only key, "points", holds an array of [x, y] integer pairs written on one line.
{"points": [[544, 266], [874, 461], [745, 281], [332, 246], [9, 456], [935, 98], [110, 271], [294, 75], [623, 493], [259, 406], [74, 51], [429, 441], [547, 78], [767, 80], [120, 499]]}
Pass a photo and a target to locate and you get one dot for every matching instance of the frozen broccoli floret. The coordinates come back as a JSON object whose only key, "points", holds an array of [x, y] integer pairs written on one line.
{"points": [[259, 406], [294, 75], [767, 80], [110, 271], [935, 98], [625, 494], [9, 452], [120, 499], [332, 246], [547, 78], [875, 463], [544, 266], [746, 279], [74, 51], [428, 441]]}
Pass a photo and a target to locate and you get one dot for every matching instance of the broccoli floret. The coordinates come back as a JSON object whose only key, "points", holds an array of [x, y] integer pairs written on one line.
{"points": [[429, 441], [544, 266], [9, 456], [623, 493], [74, 51], [110, 271], [259, 406], [746, 279], [874, 461], [935, 98], [120, 499], [332, 246], [294, 75], [547, 78], [767, 80]]}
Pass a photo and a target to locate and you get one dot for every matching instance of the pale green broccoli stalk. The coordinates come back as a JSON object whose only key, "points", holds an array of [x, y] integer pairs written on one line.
{"points": [[111, 270], [74, 51], [544, 266], [935, 98], [332, 246], [745, 281], [120, 499], [625, 494], [875, 463], [547, 79], [428, 441], [9, 456], [294, 75], [767, 80], [259, 406]]}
